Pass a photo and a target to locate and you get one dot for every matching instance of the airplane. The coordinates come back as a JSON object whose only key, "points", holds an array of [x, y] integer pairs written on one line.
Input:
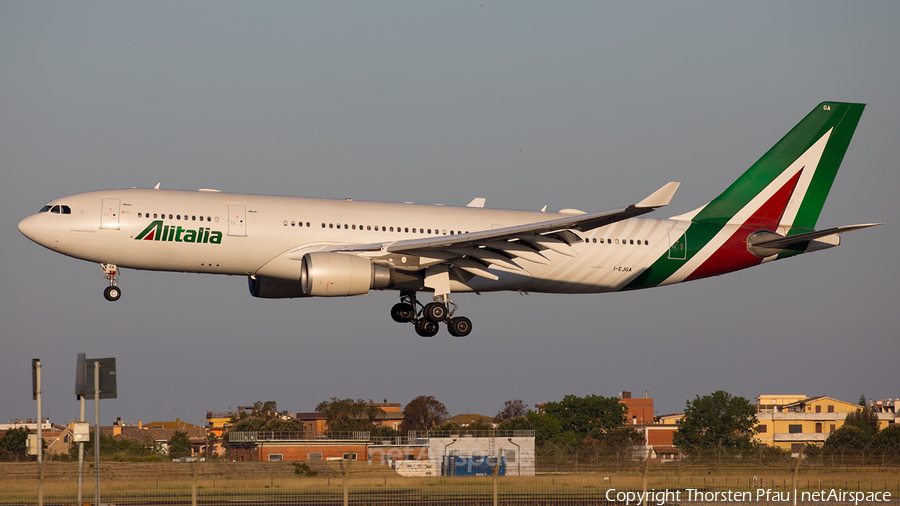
{"points": [[310, 247]]}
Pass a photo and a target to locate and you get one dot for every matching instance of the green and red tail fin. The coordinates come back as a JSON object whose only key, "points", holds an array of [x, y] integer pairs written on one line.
{"points": [[801, 166], [783, 192]]}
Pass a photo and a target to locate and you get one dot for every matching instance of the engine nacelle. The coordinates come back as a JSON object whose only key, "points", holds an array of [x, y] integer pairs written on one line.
{"points": [[274, 288], [339, 275]]}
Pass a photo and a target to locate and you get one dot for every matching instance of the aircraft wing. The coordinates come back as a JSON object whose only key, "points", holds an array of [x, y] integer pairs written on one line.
{"points": [[475, 251]]}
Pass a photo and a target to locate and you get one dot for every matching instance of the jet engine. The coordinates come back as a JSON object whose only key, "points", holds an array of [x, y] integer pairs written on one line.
{"points": [[325, 274], [274, 288]]}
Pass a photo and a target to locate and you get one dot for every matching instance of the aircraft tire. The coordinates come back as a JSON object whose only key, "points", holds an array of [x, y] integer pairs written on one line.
{"points": [[112, 293], [403, 312], [459, 326], [435, 312], [426, 328]]}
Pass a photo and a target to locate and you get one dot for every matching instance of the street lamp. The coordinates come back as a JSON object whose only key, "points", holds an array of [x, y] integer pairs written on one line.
{"points": [[444, 460], [518, 457]]}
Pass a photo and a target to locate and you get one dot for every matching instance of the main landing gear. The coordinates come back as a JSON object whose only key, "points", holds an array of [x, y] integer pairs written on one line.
{"points": [[112, 292], [427, 318]]}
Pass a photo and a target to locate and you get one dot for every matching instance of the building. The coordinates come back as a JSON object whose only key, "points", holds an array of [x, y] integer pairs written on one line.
{"points": [[57, 437], [640, 410], [158, 434], [217, 422], [515, 447], [792, 421]]}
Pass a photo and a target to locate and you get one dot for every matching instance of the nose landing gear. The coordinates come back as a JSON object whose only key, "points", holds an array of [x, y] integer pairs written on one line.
{"points": [[112, 292], [427, 318]]}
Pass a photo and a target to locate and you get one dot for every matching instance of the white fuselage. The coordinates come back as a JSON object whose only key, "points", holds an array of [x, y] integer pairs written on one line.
{"points": [[267, 236]]}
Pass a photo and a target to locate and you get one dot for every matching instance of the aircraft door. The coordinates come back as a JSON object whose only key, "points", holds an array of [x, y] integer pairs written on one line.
{"points": [[677, 244], [237, 221], [109, 214]]}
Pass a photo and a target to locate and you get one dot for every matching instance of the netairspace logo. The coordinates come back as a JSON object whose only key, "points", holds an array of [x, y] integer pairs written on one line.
{"points": [[663, 497], [156, 231]]}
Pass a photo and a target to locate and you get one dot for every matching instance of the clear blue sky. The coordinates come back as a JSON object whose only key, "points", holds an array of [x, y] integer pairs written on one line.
{"points": [[591, 105]]}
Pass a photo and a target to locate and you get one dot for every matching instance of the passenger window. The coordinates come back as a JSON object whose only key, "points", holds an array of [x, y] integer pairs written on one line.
{"points": [[451, 232], [330, 225], [177, 216], [170, 216], [193, 218], [406, 230], [285, 223], [307, 223], [369, 227], [354, 227], [586, 240], [208, 218], [595, 240], [632, 241], [139, 215]]}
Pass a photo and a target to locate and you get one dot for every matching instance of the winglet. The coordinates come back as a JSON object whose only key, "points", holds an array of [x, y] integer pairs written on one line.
{"points": [[660, 197], [476, 202]]}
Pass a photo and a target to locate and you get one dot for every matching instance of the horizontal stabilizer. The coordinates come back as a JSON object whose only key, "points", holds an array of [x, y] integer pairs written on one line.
{"points": [[765, 243]]}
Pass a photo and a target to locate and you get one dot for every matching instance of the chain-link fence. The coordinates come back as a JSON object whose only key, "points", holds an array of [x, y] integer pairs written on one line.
{"points": [[563, 476]]}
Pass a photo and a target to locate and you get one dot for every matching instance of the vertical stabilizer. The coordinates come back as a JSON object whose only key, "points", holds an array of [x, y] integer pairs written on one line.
{"points": [[807, 158]]}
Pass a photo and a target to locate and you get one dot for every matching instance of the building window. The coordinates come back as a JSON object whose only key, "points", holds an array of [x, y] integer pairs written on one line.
{"points": [[818, 409], [831, 409], [510, 456], [274, 457], [795, 429], [349, 456], [796, 447], [818, 428], [315, 455], [831, 429], [763, 429]]}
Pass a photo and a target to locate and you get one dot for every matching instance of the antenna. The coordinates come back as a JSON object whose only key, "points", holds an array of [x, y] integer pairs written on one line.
{"points": [[157, 185]]}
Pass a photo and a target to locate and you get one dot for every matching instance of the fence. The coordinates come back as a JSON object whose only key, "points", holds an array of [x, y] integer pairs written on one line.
{"points": [[691, 481]]}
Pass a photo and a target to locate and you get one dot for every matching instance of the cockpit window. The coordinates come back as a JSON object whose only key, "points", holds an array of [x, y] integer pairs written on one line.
{"points": [[55, 209], [66, 210], [44, 209]]}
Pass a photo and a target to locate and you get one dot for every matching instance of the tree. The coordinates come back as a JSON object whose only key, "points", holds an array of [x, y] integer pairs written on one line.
{"points": [[423, 413], [718, 421], [518, 423], [267, 410], [14, 443], [347, 415], [577, 419], [512, 408], [263, 416], [888, 440], [847, 439], [866, 419], [179, 445]]}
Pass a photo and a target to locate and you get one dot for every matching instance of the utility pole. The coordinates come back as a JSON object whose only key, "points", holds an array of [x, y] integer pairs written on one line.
{"points": [[97, 433], [36, 369]]}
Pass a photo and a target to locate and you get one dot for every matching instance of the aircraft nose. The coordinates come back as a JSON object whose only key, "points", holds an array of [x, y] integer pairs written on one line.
{"points": [[29, 227]]}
